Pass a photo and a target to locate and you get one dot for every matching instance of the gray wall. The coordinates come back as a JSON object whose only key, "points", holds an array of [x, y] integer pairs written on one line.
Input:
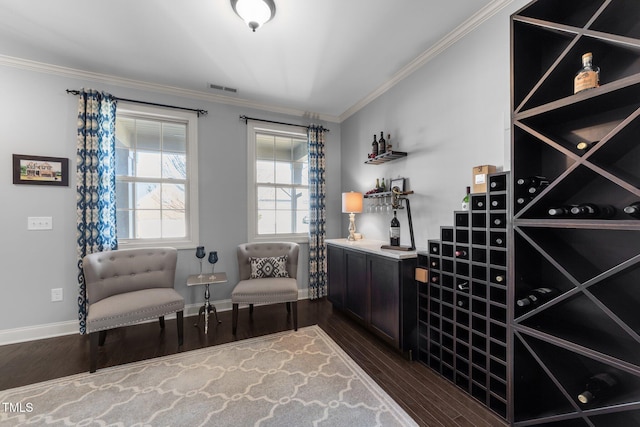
{"points": [[450, 115], [38, 117]]}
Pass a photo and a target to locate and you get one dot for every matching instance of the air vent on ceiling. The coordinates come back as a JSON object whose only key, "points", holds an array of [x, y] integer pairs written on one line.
{"points": [[223, 88]]}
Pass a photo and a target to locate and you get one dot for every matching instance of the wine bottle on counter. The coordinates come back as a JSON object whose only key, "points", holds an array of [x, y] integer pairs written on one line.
{"points": [[374, 147], [598, 386], [588, 77], [590, 210], [633, 209], [394, 231], [537, 297], [382, 147], [465, 200]]}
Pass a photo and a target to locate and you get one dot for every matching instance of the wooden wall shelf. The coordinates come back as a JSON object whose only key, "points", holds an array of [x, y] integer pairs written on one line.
{"points": [[386, 157]]}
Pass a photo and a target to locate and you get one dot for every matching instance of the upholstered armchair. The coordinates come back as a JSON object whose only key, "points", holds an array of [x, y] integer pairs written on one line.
{"points": [[128, 286], [267, 274]]}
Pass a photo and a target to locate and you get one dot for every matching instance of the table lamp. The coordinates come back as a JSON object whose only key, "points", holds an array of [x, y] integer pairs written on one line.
{"points": [[352, 204]]}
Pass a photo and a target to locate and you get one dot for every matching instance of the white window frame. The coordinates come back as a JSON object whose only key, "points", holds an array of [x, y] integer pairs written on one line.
{"points": [[192, 238], [253, 128]]}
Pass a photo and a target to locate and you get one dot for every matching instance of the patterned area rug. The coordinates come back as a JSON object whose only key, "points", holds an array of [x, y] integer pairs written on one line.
{"points": [[291, 378]]}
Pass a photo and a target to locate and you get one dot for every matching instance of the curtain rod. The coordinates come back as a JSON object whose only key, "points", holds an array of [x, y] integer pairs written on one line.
{"points": [[198, 111], [245, 118]]}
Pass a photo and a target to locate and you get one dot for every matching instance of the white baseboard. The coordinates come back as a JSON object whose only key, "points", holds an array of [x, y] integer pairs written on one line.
{"points": [[51, 330]]}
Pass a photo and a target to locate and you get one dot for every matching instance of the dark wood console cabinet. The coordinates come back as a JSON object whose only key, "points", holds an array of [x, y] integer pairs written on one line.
{"points": [[379, 291]]}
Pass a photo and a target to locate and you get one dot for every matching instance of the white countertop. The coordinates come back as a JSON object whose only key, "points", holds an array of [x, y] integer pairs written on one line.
{"points": [[372, 246]]}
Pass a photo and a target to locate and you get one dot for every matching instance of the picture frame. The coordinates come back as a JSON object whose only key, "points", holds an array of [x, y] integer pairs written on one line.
{"points": [[40, 170], [397, 182]]}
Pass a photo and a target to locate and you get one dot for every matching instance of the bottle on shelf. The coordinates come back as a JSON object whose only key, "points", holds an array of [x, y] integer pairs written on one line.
{"points": [[378, 189], [536, 297], [382, 148], [374, 147], [389, 147], [383, 186], [394, 231], [590, 210], [598, 387], [633, 209], [465, 200], [588, 77], [461, 253]]}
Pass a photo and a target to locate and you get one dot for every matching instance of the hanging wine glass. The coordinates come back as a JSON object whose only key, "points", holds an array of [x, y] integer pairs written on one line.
{"points": [[213, 258], [200, 253]]}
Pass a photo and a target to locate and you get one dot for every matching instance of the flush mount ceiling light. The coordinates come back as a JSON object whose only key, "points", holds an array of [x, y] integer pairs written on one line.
{"points": [[254, 12]]}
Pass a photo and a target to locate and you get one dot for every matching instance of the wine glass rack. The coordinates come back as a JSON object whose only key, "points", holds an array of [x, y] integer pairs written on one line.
{"points": [[462, 318], [592, 325]]}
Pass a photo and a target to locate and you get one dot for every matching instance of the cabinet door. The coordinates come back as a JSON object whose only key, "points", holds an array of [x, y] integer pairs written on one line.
{"points": [[357, 290], [385, 296], [335, 275]]}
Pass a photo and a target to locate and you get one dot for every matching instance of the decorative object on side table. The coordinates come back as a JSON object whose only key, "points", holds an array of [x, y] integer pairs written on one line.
{"points": [[213, 258], [200, 253], [352, 204]]}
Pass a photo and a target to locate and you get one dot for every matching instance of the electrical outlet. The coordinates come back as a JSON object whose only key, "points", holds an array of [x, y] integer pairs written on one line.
{"points": [[56, 294], [39, 223]]}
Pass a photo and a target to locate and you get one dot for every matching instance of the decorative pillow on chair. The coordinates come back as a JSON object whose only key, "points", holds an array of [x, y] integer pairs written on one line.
{"points": [[268, 267]]}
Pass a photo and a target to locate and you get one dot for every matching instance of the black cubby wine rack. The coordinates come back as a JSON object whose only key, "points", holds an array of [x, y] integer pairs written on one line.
{"points": [[591, 325], [463, 305]]}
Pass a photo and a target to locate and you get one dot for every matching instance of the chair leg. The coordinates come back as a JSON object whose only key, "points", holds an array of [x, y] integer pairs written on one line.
{"points": [[234, 318], [93, 350], [102, 337], [161, 318], [288, 307], [295, 315], [180, 322]]}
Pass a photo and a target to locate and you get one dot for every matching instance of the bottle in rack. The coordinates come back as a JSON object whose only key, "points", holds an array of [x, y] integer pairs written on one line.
{"points": [[532, 181], [461, 253], [590, 210], [463, 286], [584, 145], [633, 209], [465, 200], [382, 148], [374, 147], [378, 189], [588, 77], [394, 231], [598, 387], [522, 201], [560, 211], [537, 297]]}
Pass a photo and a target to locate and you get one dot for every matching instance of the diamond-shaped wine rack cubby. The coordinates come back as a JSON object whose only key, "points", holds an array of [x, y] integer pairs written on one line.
{"points": [[591, 324]]}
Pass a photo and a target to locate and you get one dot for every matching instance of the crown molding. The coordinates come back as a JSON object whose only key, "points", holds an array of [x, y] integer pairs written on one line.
{"points": [[447, 41], [40, 67]]}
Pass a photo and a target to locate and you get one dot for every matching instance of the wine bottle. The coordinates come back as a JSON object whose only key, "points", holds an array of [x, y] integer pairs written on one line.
{"points": [[497, 204], [434, 264], [498, 221], [584, 145], [378, 185], [598, 387], [383, 186], [394, 231], [463, 286], [499, 278], [463, 303], [560, 211], [499, 241], [633, 209], [590, 210], [588, 77], [382, 148], [537, 296], [461, 253], [374, 147], [522, 201], [465, 200], [535, 189], [532, 181], [434, 279], [389, 142]]}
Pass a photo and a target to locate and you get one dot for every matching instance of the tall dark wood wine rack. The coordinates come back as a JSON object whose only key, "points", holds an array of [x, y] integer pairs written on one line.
{"points": [[593, 324]]}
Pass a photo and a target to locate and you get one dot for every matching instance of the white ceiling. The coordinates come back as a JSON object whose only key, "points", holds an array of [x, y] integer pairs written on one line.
{"points": [[323, 57]]}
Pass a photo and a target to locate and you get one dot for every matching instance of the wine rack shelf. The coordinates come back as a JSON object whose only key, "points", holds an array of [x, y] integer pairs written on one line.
{"points": [[386, 157], [462, 318], [591, 323]]}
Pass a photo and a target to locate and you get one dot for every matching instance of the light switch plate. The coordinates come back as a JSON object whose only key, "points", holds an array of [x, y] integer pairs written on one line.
{"points": [[56, 294], [39, 223]]}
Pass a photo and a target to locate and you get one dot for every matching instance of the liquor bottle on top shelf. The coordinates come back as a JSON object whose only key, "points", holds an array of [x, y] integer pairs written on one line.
{"points": [[465, 200], [633, 209], [588, 77], [536, 297], [394, 231], [374, 147], [598, 386], [382, 148], [590, 210], [389, 148]]}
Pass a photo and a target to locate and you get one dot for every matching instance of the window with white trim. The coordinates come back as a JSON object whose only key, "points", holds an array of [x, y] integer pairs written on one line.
{"points": [[278, 184], [156, 177]]}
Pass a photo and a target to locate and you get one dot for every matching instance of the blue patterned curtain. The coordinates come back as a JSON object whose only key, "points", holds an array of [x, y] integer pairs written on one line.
{"points": [[317, 214], [96, 182]]}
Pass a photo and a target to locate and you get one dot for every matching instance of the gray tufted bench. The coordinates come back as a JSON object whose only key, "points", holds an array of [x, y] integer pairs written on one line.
{"points": [[128, 286]]}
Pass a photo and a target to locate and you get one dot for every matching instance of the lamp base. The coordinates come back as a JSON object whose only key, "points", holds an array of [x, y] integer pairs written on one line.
{"points": [[398, 248]]}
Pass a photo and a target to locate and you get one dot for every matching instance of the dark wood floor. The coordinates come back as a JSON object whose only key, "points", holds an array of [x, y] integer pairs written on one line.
{"points": [[429, 399]]}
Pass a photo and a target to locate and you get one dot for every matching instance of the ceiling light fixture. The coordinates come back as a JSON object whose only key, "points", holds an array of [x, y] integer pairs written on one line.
{"points": [[254, 12]]}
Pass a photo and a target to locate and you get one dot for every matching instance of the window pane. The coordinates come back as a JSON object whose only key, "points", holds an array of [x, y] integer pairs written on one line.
{"points": [[124, 161], [124, 195], [173, 196], [283, 149], [284, 200], [124, 223], [283, 173], [264, 147], [265, 172], [147, 195], [302, 199], [174, 137], [302, 221], [174, 166], [266, 198], [300, 150], [148, 135], [300, 173], [148, 164], [148, 224], [283, 222], [266, 221], [173, 223]]}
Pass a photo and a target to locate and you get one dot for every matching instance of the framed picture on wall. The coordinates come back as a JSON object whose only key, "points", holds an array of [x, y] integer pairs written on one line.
{"points": [[39, 170]]}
